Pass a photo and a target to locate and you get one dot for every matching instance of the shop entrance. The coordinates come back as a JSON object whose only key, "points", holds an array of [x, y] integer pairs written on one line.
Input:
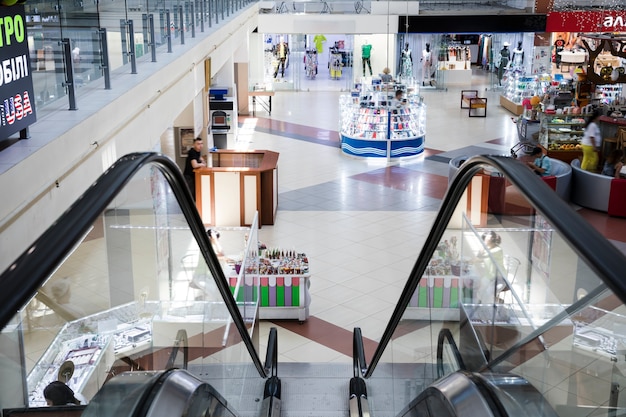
{"points": [[308, 62]]}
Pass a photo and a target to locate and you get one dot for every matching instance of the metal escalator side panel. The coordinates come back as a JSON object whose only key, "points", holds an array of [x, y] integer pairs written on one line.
{"points": [[515, 395], [182, 394], [125, 395], [173, 393], [454, 395]]}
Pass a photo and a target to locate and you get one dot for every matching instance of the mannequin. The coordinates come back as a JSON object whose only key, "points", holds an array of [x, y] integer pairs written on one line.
{"points": [[518, 56], [319, 40], [505, 58], [427, 62], [406, 63], [281, 51], [366, 50]]}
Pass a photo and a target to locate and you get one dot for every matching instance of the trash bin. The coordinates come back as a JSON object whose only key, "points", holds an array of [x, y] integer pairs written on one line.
{"points": [[220, 140]]}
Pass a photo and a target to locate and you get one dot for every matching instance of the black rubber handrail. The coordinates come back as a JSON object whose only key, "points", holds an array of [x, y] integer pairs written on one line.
{"points": [[271, 356], [24, 277], [445, 336], [181, 342], [359, 363], [604, 259]]}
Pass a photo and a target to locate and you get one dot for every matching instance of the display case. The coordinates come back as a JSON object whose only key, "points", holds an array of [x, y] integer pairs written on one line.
{"points": [[280, 280], [84, 351], [600, 332], [610, 94], [518, 87], [561, 135], [90, 346], [371, 126]]}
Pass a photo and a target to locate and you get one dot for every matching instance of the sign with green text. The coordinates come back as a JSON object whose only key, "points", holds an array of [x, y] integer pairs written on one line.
{"points": [[17, 107]]}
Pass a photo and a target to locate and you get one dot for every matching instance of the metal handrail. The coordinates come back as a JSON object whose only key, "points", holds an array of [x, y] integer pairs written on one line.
{"points": [[604, 259], [24, 276]]}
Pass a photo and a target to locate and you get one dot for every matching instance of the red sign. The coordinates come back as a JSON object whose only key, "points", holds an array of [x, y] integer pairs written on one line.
{"points": [[587, 21]]}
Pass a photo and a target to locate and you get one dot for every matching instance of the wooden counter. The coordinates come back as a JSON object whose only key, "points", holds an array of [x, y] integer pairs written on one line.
{"points": [[238, 184], [514, 108]]}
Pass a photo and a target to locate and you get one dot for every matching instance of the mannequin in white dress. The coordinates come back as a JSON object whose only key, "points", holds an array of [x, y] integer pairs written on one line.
{"points": [[406, 63], [427, 63], [518, 56]]}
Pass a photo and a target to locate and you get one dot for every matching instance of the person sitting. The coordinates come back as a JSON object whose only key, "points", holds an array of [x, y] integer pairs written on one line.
{"points": [[398, 101], [57, 393], [613, 164], [541, 165], [386, 76]]}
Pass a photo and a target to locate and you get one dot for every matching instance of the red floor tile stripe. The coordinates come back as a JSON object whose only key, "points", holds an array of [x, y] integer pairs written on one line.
{"points": [[326, 334]]}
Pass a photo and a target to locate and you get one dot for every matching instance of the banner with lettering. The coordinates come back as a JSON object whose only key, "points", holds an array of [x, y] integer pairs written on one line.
{"points": [[17, 104], [587, 21]]}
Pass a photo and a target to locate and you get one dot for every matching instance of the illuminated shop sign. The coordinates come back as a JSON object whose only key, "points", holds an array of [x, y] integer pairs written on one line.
{"points": [[587, 21], [17, 107]]}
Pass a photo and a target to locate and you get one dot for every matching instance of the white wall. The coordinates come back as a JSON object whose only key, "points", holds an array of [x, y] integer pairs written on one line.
{"points": [[131, 122]]}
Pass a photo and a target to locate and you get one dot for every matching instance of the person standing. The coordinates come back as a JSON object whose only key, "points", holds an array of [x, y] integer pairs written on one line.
{"points": [[590, 143], [194, 161], [490, 266]]}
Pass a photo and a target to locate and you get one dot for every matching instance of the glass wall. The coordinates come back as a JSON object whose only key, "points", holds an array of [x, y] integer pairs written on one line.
{"points": [[121, 300], [71, 33]]}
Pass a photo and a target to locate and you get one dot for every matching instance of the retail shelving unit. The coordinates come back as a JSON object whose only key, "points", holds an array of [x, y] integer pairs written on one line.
{"points": [[517, 88], [371, 126]]}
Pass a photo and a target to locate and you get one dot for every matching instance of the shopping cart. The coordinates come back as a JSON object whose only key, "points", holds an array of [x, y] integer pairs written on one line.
{"points": [[528, 135]]}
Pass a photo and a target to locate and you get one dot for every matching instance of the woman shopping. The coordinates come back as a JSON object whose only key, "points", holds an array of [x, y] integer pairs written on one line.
{"points": [[591, 143], [490, 267]]}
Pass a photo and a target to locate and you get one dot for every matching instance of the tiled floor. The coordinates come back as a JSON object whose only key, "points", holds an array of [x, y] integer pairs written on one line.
{"points": [[363, 223]]}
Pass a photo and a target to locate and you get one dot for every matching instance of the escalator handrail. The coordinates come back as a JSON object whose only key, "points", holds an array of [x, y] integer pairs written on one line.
{"points": [[605, 260], [181, 341], [23, 277], [445, 335], [359, 363], [271, 355]]}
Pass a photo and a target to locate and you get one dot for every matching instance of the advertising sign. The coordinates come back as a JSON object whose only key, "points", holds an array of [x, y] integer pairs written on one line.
{"points": [[587, 21], [17, 106]]}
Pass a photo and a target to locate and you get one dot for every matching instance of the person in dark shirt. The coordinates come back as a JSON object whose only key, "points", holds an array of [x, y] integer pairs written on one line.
{"points": [[57, 393], [194, 161]]}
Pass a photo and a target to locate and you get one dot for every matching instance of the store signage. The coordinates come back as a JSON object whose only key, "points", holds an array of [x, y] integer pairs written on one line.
{"points": [[17, 106], [587, 21]]}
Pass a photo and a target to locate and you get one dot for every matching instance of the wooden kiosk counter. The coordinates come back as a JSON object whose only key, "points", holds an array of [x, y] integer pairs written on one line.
{"points": [[236, 185]]}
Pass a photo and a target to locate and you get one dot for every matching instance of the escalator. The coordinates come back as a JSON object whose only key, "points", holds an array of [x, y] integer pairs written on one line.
{"points": [[542, 336]]}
